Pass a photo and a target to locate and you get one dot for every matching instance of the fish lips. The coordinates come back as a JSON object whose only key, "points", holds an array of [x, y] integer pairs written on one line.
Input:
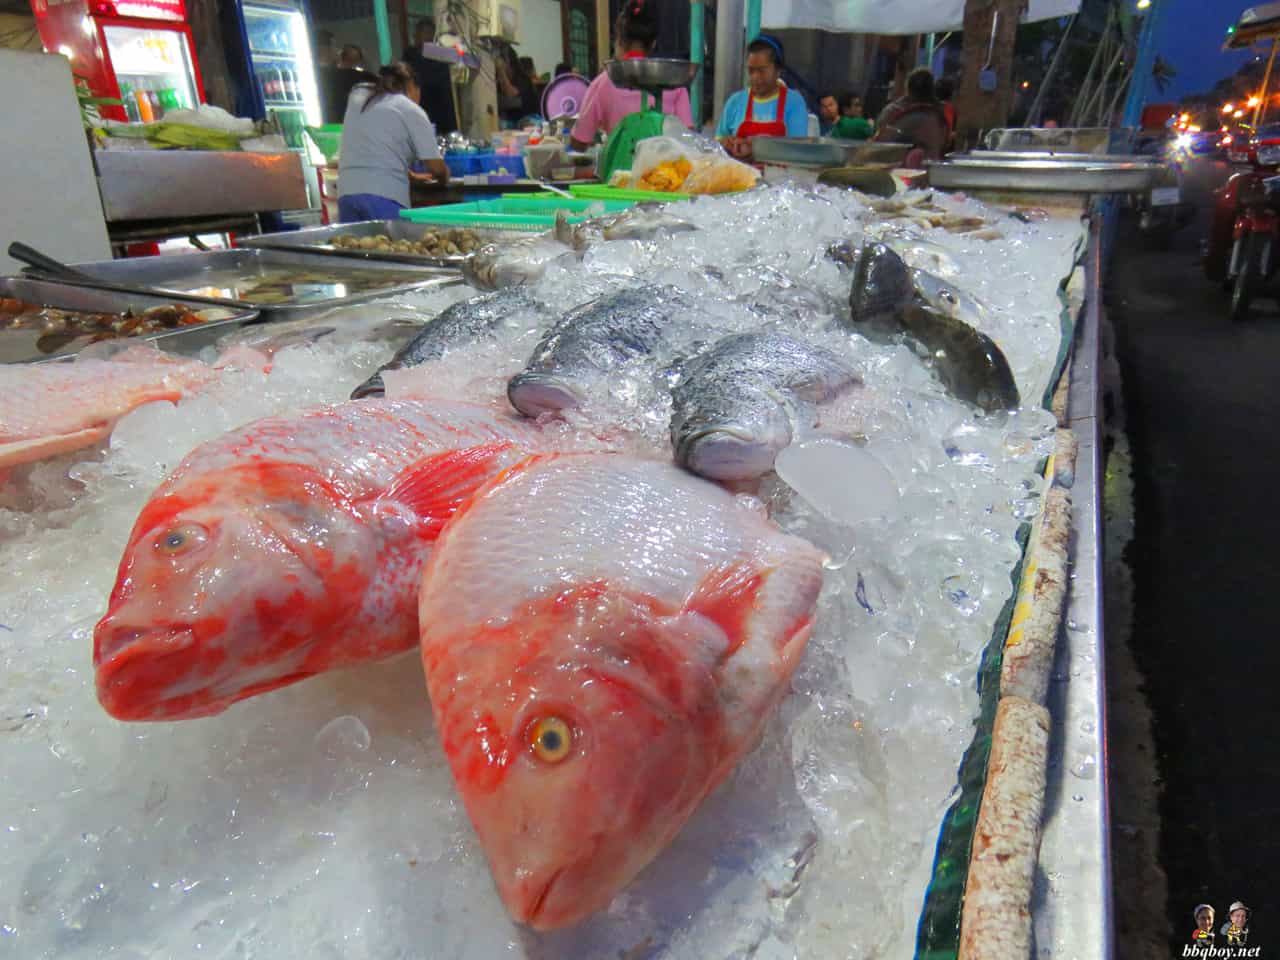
{"points": [[534, 394], [727, 452], [559, 899], [136, 669]]}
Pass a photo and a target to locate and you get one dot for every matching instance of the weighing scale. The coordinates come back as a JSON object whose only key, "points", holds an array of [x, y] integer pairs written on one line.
{"points": [[652, 76]]}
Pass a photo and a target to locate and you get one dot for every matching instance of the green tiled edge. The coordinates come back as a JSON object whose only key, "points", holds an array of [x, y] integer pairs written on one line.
{"points": [[938, 935]]}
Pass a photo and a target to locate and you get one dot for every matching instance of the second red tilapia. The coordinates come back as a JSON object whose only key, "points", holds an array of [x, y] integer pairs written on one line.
{"points": [[289, 547], [604, 638]]}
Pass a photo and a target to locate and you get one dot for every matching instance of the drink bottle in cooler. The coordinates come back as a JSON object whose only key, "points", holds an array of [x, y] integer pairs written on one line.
{"points": [[153, 98], [130, 103], [143, 102]]}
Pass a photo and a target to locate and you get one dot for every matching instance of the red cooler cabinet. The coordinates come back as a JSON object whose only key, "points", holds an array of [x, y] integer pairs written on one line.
{"points": [[137, 50]]}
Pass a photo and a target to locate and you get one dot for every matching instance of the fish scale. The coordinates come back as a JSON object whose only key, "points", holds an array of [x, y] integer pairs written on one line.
{"points": [[289, 547], [648, 617]]}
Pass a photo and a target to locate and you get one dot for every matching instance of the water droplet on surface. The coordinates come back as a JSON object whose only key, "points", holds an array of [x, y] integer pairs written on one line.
{"points": [[1086, 769], [342, 737]]}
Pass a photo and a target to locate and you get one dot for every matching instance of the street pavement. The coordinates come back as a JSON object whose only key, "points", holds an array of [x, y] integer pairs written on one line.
{"points": [[1199, 394]]}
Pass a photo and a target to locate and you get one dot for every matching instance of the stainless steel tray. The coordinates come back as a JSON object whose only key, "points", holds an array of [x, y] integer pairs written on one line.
{"points": [[1075, 139], [23, 344], [651, 73], [807, 151], [1054, 156], [320, 240], [164, 184], [825, 151], [1053, 176], [200, 273]]}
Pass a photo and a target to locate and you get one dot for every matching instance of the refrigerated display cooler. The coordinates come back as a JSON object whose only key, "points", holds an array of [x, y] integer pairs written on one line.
{"points": [[137, 50], [275, 72]]}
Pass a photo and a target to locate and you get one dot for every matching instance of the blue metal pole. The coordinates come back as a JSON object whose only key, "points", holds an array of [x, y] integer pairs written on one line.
{"points": [[384, 30], [1142, 68], [753, 19]]}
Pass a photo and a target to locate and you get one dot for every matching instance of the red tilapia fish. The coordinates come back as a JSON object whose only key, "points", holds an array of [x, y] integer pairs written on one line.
{"points": [[53, 408], [289, 547], [604, 638]]}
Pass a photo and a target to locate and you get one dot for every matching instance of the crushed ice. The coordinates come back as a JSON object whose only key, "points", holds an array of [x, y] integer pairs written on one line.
{"points": [[320, 820]]}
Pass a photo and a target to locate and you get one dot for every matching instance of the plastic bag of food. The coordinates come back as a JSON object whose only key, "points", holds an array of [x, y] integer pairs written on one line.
{"points": [[660, 164], [722, 174], [688, 163]]}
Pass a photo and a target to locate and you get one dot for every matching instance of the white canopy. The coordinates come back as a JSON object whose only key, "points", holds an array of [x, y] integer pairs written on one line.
{"points": [[888, 16]]}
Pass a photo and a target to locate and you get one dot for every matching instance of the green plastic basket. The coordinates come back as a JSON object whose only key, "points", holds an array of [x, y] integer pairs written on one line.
{"points": [[600, 191], [328, 138], [521, 213]]}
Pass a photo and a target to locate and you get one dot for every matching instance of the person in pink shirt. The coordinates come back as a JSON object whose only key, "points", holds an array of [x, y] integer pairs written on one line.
{"points": [[605, 105]]}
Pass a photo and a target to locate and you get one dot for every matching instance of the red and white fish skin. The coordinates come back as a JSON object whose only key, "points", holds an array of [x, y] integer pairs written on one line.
{"points": [[53, 408], [604, 638], [289, 547]]}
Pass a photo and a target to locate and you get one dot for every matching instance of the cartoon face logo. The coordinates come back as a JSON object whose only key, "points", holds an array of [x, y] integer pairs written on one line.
{"points": [[1236, 929], [1203, 933]]}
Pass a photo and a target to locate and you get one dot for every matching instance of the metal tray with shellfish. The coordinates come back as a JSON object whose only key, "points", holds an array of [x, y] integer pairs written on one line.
{"points": [[45, 319], [399, 241]]}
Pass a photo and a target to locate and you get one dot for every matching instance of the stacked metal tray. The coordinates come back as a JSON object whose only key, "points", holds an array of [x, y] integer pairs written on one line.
{"points": [[1053, 175], [319, 281], [26, 344], [320, 240]]}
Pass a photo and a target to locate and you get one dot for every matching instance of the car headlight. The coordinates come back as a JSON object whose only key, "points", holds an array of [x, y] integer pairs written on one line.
{"points": [[1269, 156]]}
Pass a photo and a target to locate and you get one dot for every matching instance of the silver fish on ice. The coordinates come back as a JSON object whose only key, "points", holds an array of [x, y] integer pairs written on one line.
{"points": [[738, 404]]}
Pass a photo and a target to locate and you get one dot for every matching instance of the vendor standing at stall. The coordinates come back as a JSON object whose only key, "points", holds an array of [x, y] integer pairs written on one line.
{"points": [[605, 105], [917, 119], [766, 108], [383, 133]]}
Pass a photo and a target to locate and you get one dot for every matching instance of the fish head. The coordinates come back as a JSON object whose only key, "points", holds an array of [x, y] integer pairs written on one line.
{"points": [[535, 392], [222, 591], [881, 289], [736, 438], [581, 736], [948, 299]]}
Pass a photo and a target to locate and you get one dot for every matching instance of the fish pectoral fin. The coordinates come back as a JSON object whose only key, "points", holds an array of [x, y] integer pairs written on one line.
{"points": [[433, 488], [727, 597]]}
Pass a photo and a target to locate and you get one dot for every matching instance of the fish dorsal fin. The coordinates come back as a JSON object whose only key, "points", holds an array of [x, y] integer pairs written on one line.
{"points": [[498, 477], [727, 596], [432, 489]]}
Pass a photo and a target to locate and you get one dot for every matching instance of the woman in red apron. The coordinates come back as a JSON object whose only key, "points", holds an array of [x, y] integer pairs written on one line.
{"points": [[777, 127], [764, 71]]}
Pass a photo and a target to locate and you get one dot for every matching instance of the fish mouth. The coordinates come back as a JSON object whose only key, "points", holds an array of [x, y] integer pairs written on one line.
{"points": [[534, 915], [138, 679], [534, 394], [373, 387], [726, 453]]}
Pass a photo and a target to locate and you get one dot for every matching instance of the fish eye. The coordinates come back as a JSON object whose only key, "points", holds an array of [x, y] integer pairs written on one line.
{"points": [[550, 739], [179, 540]]}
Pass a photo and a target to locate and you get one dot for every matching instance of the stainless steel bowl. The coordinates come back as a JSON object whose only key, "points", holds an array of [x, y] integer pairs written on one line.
{"points": [[647, 73]]}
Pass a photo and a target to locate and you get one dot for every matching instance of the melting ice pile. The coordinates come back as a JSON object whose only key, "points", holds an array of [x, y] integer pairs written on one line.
{"points": [[320, 821]]}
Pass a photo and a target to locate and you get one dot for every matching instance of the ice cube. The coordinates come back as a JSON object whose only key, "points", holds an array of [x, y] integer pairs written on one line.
{"points": [[843, 481]]}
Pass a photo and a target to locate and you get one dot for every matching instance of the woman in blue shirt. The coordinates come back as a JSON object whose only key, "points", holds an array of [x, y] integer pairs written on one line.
{"points": [[764, 109], [383, 132]]}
